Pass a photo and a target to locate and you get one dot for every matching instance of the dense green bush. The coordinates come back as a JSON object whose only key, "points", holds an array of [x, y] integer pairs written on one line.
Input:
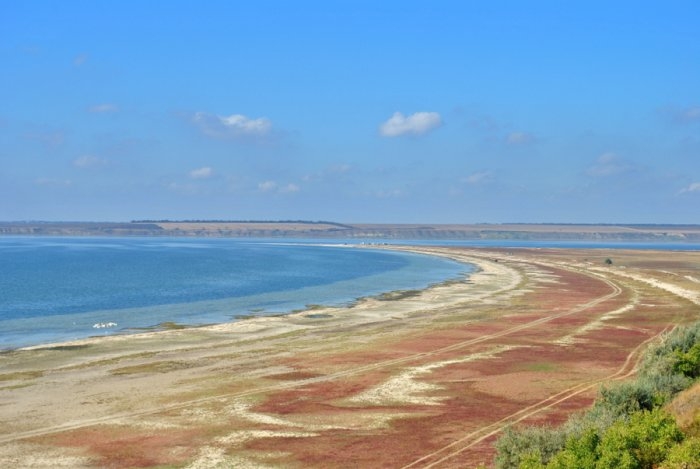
{"points": [[688, 363], [684, 456], [626, 427], [642, 442], [514, 445]]}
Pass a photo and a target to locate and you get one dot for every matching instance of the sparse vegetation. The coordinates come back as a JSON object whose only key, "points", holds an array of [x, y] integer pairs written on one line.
{"points": [[627, 427], [153, 367], [398, 295], [20, 375]]}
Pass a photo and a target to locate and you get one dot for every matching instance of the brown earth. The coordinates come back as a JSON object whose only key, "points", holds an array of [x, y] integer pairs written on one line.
{"points": [[426, 380]]}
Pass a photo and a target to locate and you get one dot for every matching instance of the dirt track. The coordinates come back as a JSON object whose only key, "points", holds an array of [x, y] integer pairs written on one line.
{"points": [[424, 380]]}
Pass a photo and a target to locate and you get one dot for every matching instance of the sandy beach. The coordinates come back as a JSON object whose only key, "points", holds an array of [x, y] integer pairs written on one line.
{"points": [[409, 379]]}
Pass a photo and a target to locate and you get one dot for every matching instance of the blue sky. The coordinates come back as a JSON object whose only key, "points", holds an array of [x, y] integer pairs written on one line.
{"points": [[351, 111]]}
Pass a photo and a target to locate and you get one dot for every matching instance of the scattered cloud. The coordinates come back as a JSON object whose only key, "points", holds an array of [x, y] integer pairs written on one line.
{"points": [[485, 123], [479, 177], [267, 186], [609, 164], [89, 161], [693, 187], [30, 49], [80, 59], [52, 182], [289, 189], [50, 139], [418, 123], [686, 115], [389, 194], [104, 108], [185, 189], [520, 138], [272, 186], [340, 168], [235, 126], [202, 173], [691, 114], [334, 171]]}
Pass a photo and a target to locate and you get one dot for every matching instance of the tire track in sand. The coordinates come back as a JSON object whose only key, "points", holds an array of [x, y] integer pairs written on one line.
{"points": [[471, 439]]}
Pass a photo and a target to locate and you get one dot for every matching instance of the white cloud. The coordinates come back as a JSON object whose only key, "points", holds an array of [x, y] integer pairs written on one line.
{"points": [[267, 186], [694, 187], [289, 189], [609, 164], [103, 108], [340, 168], [332, 172], [80, 59], [478, 177], [185, 189], [235, 126], [89, 161], [416, 124], [272, 186], [691, 114], [202, 173], [52, 182], [485, 123], [520, 138], [683, 115], [389, 193], [50, 139]]}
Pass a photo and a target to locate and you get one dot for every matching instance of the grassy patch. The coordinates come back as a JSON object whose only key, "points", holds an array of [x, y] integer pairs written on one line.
{"points": [[110, 361], [154, 367], [398, 295], [21, 375], [318, 316], [541, 366], [169, 326], [66, 348]]}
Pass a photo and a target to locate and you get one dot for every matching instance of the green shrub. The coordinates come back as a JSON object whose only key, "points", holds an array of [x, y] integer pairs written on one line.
{"points": [[516, 446], [684, 456], [642, 443], [625, 428], [580, 452], [688, 363], [626, 398]]}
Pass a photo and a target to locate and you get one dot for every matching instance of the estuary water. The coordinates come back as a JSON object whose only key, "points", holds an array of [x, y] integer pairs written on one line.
{"points": [[59, 289]]}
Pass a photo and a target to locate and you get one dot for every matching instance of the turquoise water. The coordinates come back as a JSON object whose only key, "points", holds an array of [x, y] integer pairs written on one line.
{"points": [[57, 289]]}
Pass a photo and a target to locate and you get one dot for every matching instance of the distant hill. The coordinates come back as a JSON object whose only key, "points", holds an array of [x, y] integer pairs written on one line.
{"points": [[326, 229]]}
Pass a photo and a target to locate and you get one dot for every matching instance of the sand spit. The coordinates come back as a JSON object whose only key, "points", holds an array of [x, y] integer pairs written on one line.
{"points": [[396, 381]]}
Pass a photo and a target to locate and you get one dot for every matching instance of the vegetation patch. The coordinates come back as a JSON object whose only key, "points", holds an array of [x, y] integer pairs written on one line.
{"points": [[398, 295], [541, 366], [318, 316], [21, 375], [66, 348], [629, 426], [154, 367], [169, 326]]}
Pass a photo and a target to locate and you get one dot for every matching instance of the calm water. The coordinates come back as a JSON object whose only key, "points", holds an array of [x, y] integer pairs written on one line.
{"points": [[57, 289]]}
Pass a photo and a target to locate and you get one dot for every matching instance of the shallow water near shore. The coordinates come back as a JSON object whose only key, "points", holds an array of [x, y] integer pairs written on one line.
{"points": [[59, 289]]}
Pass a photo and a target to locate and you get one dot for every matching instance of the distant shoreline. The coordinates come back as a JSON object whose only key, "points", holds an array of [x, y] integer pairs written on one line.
{"points": [[661, 233]]}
